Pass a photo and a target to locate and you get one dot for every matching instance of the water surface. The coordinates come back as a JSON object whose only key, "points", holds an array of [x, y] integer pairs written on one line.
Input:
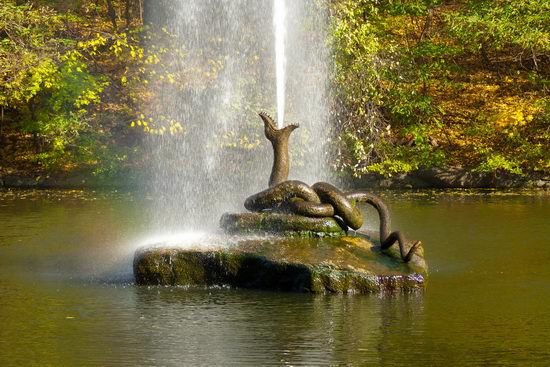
{"points": [[67, 298]]}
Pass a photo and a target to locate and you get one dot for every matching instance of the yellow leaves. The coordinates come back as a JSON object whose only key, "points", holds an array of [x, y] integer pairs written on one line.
{"points": [[175, 127], [119, 44], [31, 80], [58, 144], [490, 88], [73, 56], [487, 109], [511, 112], [92, 44], [117, 50], [232, 140], [246, 144], [152, 59], [160, 126]]}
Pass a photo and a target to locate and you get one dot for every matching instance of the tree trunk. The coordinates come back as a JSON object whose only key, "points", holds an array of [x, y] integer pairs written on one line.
{"points": [[127, 13], [1, 126], [112, 13], [140, 3], [35, 135], [485, 57]]}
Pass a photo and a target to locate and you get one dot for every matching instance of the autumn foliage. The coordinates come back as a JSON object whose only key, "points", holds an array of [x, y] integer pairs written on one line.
{"points": [[431, 83], [417, 83]]}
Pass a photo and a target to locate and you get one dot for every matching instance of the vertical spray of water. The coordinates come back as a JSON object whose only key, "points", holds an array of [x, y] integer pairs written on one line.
{"points": [[279, 23], [229, 64]]}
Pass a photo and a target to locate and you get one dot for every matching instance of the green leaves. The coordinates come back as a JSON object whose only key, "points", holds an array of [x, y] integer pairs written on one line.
{"points": [[386, 59], [503, 23], [30, 41], [417, 83], [447, 78]]}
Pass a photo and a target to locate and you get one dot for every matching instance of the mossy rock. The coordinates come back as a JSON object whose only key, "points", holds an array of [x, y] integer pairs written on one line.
{"points": [[281, 224], [318, 265]]}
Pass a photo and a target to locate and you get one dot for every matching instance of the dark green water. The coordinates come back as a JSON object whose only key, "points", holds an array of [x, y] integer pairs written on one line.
{"points": [[66, 297]]}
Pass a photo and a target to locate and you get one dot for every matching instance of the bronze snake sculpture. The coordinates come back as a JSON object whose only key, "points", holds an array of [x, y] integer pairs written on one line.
{"points": [[319, 200]]}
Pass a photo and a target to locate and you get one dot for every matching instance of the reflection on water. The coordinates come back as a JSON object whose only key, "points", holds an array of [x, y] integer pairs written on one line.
{"points": [[66, 296]]}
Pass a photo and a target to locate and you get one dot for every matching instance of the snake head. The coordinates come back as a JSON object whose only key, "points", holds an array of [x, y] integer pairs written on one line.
{"points": [[270, 126]]}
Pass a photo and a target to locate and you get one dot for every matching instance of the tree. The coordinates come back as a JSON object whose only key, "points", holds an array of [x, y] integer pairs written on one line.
{"points": [[422, 83]]}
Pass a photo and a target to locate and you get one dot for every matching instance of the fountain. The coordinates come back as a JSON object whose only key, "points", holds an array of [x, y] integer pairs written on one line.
{"points": [[230, 47], [294, 236], [300, 241], [279, 15]]}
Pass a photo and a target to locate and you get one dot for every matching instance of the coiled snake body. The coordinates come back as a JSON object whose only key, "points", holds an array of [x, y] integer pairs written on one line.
{"points": [[321, 199]]}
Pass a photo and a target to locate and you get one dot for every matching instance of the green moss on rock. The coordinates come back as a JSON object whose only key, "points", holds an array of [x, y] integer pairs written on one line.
{"points": [[280, 223], [317, 265]]}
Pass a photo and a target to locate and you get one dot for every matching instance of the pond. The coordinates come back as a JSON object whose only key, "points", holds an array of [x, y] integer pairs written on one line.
{"points": [[67, 297]]}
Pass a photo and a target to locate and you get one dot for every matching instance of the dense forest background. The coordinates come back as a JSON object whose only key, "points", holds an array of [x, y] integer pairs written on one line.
{"points": [[417, 84]]}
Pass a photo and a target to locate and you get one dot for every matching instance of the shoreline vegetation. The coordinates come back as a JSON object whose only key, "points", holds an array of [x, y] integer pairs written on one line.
{"points": [[427, 93], [440, 178]]}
